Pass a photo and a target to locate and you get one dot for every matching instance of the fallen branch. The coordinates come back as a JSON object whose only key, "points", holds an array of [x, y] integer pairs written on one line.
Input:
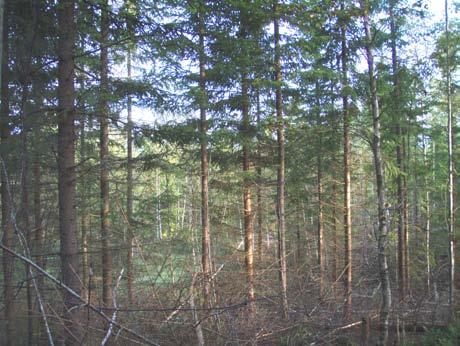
{"points": [[114, 315], [76, 295], [197, 324]]}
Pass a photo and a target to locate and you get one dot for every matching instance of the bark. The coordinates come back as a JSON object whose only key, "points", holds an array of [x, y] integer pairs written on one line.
{"points": [[107, 290], [84, 215], [451, 206], [158, 206], [335, 241], [7, 221], [400, 180], [319, 187], [281, 165], [427, 223], [346, 175], [25, 214], [405, 207], [129, 187], [38, 221], [66, 167], [260, 211], [248, 214], [205, 226], [378, 164]]}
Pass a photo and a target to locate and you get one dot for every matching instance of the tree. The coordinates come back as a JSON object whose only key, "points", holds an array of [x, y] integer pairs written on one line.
{"points": [[7, 220], [131, 11], [400, 180], [348, 263], [66, 167], [248, 214], [203, 100], [107, 290], [379, 175], [450, 188], [281, 163]]}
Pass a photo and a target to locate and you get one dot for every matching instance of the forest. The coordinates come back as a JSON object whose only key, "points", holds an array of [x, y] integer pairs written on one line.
{"points": [[234, 172]]}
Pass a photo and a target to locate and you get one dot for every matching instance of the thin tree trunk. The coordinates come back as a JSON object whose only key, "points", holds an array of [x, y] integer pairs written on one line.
{"points": [[402, 261], [158, 206], [84, 214], [39, 237], [7, 221], [451, 206], [248, 214], [319, 186], [26, 83], [107, 293], [346, 175], [427, 222], [281, 164], [335, 241], [205, 226], [382, 206], [66, 165], [405, 207], [259, 182], [25, 208], [129, 185], [38, 221]]}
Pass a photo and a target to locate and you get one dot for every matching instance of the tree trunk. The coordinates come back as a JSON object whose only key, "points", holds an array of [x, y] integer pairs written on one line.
{"points": [[129, 184], [259, 183], [378, 163], [25, 208], [451, 206], [427, 221], [248, 215], [281, 164], [335, 241], [66, 165], [346, 175], [319, 187], [107, 293], [7, 221], [205, 226], [38, 222], [84, 213], [400, 179]]}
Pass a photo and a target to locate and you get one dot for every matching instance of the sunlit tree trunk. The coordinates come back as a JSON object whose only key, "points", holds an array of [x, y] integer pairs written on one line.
{"points": [[451, 206], [84, 214], [319, 190], [281, 164], [378, 163], [346, 173], [129, 181], [427, 220], [107, 293], [205, 226], [335, 241], [400, 180], [248, 214], [260, 211]]}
